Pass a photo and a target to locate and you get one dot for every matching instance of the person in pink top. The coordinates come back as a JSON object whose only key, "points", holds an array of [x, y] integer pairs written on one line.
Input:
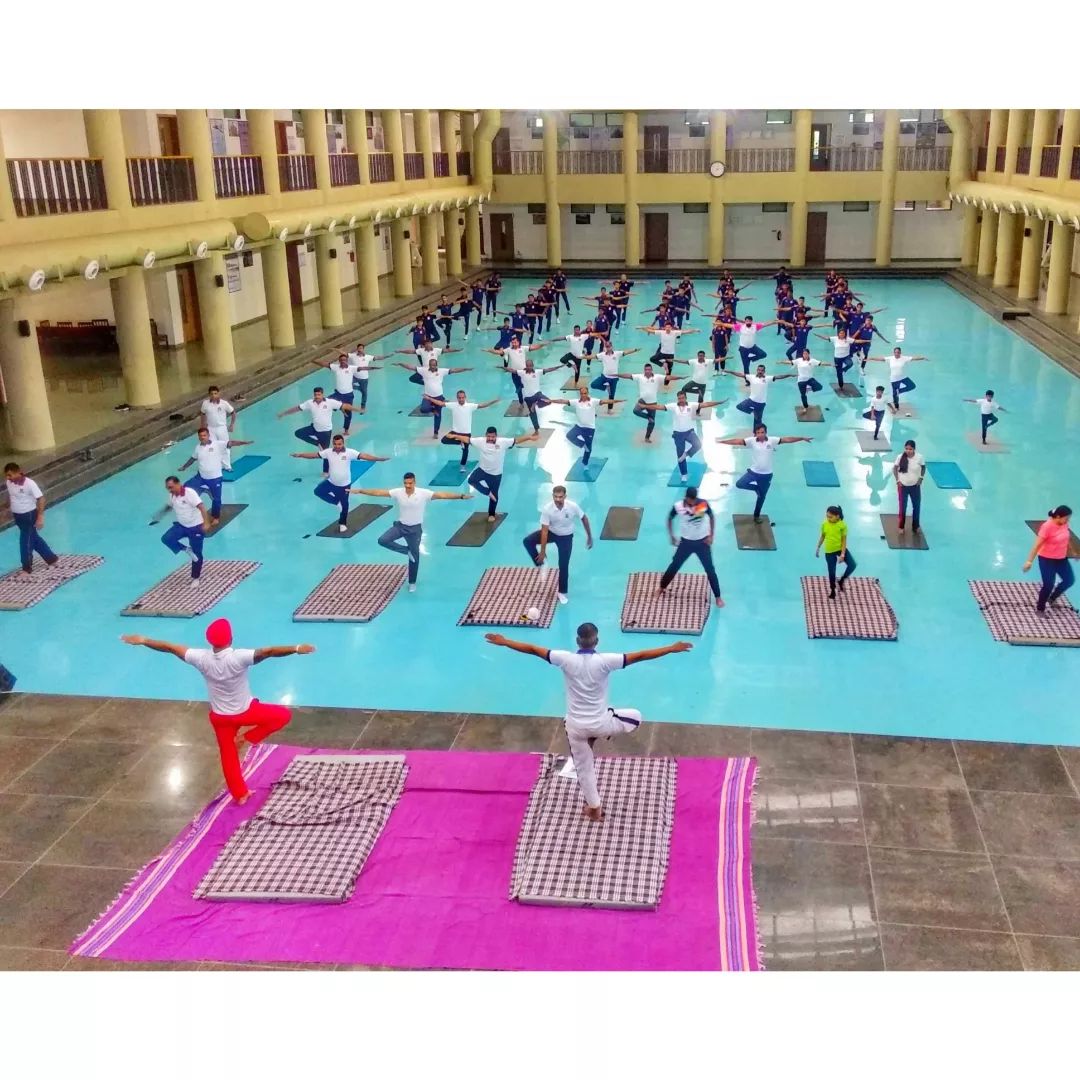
{"points": [[1052, 547]]}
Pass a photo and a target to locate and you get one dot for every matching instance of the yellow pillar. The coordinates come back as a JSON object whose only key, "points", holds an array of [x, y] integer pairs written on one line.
{"points": [[368, 268], [1005, 259], [1015, 131], [279, 313], [29, 423], [316, 144], [631, 207], [1031, 258], [889, 152], [969, 248], [452, 241], [551, 189], [195, 142], [132, 314], [215, 313], [717, 210], [357, 141], [987, 243], [399, 246], [264, 143], [105, 140], [448, 143], [473, 254], [1070, 136], [7, 202], [797, 224], [999, 119], [429, 249], [1057, 285], [960, 169], [422, 136], [329, 277], [395, 146], [467, 124], [1043, 133]]}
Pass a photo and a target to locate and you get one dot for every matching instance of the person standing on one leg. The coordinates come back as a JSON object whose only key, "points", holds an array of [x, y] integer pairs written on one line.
{"points": [[321, 409], [862, 335], [684, 416], [342, 371], [758, 385], [28, 509], [668, 337], [648, 384], [909, 470], [987, 407], [433, 377], [557, 525], [513, 359], [608, 379], [533, 397], [577, 341], [834, 533], [899, 382], [219, 416], [403, 537], [486, 478], [583, 432], [211, 458], [876, 409], [762, 447], [588, 715], [232, 708], [461, 410], [842, 361], [191, 524], [1052, 548], [334, 488], [363, 365], [697, 527], [804, 376], [698, 382], [749, 349]]}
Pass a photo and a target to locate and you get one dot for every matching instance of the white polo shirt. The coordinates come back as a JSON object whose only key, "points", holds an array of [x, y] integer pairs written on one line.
{"points": [[897, 364], [360, 362], [916, 466], [805, 369], [682, 416], [759, 387], [226, 675], [561, 522], [610, 361], [586, 413], [841, 347], [668, 340], [577, 344], [321, 412], [530, 383], [342, 377], [187, 506], [694, 521], [748, 335], [761, 453], [217, 413], [340, 470], [699, 370], [23, 496], [492, 454], [648, 387], [411, 507], [586, 676], [462, 416], [210, 459], [987, 406], [877, 404], [515, 359], [426, 355], [433, 380]]}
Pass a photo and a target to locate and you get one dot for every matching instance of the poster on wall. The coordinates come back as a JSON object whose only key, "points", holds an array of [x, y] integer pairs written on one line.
{"points": [[217, 135], [244, 135], [232, 273]]}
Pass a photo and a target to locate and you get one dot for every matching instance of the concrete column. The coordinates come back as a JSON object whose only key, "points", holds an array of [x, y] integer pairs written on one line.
{"points": [[395, 145], [29, 422], [368, 267], [631, 207], [448, 140], [195, 143], [969, 249], [315, 144], [717, 209], [137, 360], [452, 241], [1070, 136], [7, 202], [468, 127], [999, 119], [279, 313], [1043, 133], [429, 249], [1015, 132], [797, 224], [1005, 259], [105, 140], [399, 246], [329, 277], [357, 141], [889, 152], [1057, 285], [473, 254], [264, 143], [215, 312], [1031, 258], [551, 189], [987, 243], [422, 135], [797, 234]]}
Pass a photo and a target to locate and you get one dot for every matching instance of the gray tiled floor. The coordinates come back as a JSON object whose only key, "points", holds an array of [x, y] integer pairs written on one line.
{"points": [[869, 852]]}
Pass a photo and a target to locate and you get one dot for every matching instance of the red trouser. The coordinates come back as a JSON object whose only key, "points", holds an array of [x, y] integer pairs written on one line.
{"points": [[263, 720]]}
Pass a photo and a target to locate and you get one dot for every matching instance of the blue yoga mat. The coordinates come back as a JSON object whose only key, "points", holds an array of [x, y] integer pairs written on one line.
{"points": [[450, 475], [243, 465], [579, 472], [695, 471], [947, 474], [820, 474]]}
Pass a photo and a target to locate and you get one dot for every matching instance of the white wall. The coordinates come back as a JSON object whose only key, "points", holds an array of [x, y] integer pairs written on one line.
{"points": [[40, 133], [750, 234], [927, 234], [597, 240], [850, 233]]}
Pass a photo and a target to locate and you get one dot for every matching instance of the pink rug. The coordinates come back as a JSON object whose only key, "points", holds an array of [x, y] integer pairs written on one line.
{"points": [[433, 894]]}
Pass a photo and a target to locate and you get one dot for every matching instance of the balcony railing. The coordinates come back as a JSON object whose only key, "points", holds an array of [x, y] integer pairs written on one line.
{"points": [[1023, 159], [296, 172], [673, 161], [999, 159], [1048, 164], [344, 170], [923, 158], [980, 160], [238, 175], [1074, 168], [159, 181], [442, 164], [754, 159], [382, 167], [845, 159], [56, 185], [464, 163], [589, 162], [414, 166], [518, 162]]}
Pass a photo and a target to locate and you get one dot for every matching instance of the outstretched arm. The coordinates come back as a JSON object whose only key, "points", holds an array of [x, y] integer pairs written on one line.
{"points": [[288, 412], [179, 651], [451, 495], [305, 454], [655, 654], [796, 438], [519, 646], [269, 651]]}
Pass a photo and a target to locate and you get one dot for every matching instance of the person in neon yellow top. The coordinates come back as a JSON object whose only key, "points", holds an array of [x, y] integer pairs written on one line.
{"points": [[834, 537]]}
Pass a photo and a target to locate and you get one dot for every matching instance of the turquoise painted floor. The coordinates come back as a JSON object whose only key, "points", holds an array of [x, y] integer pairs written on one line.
{"points": [[753, 665]]}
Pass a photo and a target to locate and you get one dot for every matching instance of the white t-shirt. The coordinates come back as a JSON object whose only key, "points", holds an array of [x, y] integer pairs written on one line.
{"points": [[699, 370], [987, 406], [187, 506], [577, 344], [805, 369], [761, 453], [748, 335], [433, 380], [530, 383], [561, 522], [492, 454], [586, 676], [916, 465], [462, 416], [226, 675], [216, 413], [23, 496], [340, 471], [878, 404], [897, 364], [360, 362], [321, 412], [411, 507], [694, 521], [841, 347], [610, 361], [426, 355], [759, 387], [586, 413], [682, 416], [668, 340], [342, 377], [648, 387], [210, 459], [515, 359]]}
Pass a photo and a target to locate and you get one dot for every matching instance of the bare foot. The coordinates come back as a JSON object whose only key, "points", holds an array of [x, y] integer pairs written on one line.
{"points": [[214, 522], [593, 813], [243, 799], [719, 602], [491, 517]]}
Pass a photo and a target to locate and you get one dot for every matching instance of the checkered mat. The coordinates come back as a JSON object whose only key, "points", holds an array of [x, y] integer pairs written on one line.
{"points": [[506, 593], [860, 611], [174, 597], [352, 592], [683, 609], [620, 862], [1009, 610], [309, 841], [18, 592]]}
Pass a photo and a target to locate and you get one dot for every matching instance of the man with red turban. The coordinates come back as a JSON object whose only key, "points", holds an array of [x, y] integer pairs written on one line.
{"points": [[232, 706]]}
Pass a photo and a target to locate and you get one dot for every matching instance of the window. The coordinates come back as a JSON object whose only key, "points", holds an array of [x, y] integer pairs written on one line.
{"points": [[614, 208], [583, 208], [335, 116], [536, 132], [539, 219], [856, 207], [774, 207], [696, 131], [231, 114], [695, 207], [613, 119], [908, 205], [535, 121], [537, 208], [297, 116], [582, 219], [940, 204], [618, 219], [860, 117], [582, 133], [581, 119], [777, 116], [860, 129], [907, 127], [615, 133]]}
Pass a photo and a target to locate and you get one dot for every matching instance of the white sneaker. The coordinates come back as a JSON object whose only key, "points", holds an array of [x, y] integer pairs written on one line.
{"points": [[563, 598], [412, 587], [195, 583], [343, 528]]}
